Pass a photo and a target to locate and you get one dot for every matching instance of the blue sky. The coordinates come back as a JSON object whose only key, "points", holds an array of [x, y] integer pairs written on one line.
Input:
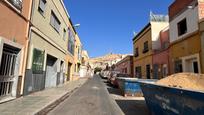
{"points": [[107, 25]]}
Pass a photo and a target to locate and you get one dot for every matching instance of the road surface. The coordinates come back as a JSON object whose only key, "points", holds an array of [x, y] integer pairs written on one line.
{"points": [[90, 99]]}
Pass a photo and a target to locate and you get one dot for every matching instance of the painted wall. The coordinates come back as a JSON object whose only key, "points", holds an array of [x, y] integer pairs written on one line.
{"points": [[201, 24], [125, 65], [191, 16], [186, 47], [156, 28], [144, 58], [161, 56], [177, 6], [14, 27], [42, 22]]}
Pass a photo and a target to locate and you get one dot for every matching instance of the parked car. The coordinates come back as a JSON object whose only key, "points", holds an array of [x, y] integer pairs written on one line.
{"points": [[113, 80], [105, 74], [111, 75]]}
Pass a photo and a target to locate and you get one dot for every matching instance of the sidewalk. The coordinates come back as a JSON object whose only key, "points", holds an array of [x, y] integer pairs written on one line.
{"points": [[40, 102]]}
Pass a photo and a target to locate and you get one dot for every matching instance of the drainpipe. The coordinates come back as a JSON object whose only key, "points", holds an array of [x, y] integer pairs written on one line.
{"points": [[29, 23]]}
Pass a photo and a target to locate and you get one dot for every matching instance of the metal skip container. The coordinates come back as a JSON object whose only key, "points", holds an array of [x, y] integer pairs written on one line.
{"points": [[163, 100], [129, 86]]}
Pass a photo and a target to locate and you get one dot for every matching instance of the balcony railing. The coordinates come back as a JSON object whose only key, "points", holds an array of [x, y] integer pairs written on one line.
{"points": [[16, 3]]}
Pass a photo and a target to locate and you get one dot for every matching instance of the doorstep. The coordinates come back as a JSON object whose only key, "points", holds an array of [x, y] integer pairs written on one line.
{"points": [[6, 99]]}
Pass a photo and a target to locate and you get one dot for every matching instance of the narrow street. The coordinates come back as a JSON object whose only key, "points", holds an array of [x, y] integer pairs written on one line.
{"points": [[91, 99], [96, 97]]}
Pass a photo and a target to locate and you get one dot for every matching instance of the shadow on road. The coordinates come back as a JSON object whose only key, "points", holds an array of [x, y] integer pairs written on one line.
{"points": [[129, 105], [115, 91], [133, 107]]}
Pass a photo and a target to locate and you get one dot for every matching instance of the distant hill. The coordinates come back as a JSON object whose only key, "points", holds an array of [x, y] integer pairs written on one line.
{"points": [[108, 59]]}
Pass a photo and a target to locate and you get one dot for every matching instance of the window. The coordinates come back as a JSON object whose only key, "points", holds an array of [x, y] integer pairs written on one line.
{"points": [[16, 3], [164, 70], [182, 27], [38, 61], [178, 66], [165, 45], [146, 47], [195, 67], [79, 52], [54, 21], [138, 72], [71, 42], [64, 34], [41, 7], [136, 52]]}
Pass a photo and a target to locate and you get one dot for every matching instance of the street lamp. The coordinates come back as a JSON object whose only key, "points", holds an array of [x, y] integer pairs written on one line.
{"points": [[76, 25]]}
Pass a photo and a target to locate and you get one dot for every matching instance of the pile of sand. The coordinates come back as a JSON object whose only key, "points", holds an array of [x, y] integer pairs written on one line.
{"points": [[184, 80]]}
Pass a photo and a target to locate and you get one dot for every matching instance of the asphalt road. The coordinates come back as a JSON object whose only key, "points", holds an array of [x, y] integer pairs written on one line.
{"points": [[90, 99]]}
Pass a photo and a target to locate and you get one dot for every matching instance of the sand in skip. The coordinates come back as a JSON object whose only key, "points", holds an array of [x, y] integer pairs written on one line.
{"points": [[189, 81]]}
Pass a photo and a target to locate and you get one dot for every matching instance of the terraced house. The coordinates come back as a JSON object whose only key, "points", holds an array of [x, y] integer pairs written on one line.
{"points": [[161, 56], [51, 37], [14, 27], [184, 35], [201, 28], [77, 58], [145, 42]]}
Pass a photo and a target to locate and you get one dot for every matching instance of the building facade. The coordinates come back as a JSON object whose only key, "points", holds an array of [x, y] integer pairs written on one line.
{"points": [[201, 28], [85, 69], [77, 58], [161, 56], [145, 42], [125, 66], [48, 48], [185, 40], [14, 27]]}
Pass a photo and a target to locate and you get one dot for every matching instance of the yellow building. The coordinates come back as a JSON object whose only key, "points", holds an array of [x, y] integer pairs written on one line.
{"points": [[144, 43], [201, 24], [185, 40]]}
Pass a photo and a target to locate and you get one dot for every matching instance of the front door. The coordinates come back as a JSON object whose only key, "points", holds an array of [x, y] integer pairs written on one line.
{"points": [[156, 71], [62, 72], [69, 71], [8, 70], [148, 74], [195, 67], [51, 72]]}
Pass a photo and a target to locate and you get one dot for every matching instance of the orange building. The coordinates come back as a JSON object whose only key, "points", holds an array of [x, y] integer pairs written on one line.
{"points": [[14, 29]]}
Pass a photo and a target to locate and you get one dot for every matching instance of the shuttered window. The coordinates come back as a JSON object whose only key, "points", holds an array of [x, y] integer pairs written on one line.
{"points": [[42, 5], [54, 21], [71, 42], [64, 34]]}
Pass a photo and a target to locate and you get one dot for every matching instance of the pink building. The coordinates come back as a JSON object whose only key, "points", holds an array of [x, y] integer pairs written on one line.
{"points": [[125, 66], [161, 56]]}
